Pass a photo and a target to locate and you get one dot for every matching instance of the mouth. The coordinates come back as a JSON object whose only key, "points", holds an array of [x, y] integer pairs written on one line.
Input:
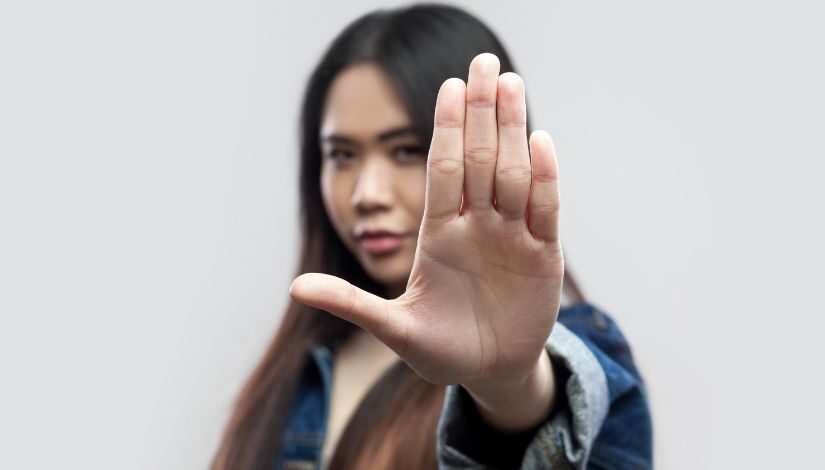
{"points": [[381, 242]]}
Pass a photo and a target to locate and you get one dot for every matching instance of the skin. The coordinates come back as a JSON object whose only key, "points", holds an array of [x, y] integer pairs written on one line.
{"points": [[474, 297], [377, 183]]}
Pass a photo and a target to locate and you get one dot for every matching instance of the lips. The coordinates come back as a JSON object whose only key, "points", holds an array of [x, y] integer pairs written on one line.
{"points": [[379, 242]]}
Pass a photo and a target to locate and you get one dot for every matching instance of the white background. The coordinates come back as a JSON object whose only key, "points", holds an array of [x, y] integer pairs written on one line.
{"points": [[148, 206]]}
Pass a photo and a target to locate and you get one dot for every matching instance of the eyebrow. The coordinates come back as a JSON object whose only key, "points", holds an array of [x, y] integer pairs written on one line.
{"points": [[382, 137]]}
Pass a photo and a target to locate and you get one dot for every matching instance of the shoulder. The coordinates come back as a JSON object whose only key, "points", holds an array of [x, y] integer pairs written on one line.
{"points": [[602, 334], [625, 436]]}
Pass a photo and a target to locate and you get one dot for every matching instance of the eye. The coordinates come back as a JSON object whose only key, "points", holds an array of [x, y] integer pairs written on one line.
{"points": [[409, 152], [339, 154]]}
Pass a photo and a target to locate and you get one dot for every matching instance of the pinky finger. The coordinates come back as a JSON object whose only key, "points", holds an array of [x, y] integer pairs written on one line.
{"points": [[543, 205]]}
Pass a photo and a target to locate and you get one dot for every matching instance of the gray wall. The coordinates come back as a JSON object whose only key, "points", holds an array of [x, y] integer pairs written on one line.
{"points": [[148, 209]]}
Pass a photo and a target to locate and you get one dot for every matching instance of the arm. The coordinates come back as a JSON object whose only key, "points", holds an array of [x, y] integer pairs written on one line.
{"points": [[601, 418], [486, 281], [518, 404]]}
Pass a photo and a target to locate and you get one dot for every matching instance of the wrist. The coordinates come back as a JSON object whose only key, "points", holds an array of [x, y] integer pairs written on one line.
{"points": [[518, 404]]}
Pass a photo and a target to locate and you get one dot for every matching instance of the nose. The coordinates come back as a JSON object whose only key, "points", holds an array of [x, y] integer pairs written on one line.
{"points": [[373, 190]]}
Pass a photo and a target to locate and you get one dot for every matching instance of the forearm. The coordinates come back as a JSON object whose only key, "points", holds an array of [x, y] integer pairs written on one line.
{"points": [[517, 405]]}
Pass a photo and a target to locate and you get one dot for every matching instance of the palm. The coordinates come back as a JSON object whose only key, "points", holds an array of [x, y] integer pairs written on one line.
{"points": [[485, 286], [481, 293]]}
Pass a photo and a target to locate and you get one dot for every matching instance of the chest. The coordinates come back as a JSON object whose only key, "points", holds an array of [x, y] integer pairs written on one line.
{"points": [[354, 373]]}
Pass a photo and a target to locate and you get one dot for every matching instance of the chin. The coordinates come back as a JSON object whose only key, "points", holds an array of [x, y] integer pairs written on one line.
{"points": [[389, 271], [389, 276]]}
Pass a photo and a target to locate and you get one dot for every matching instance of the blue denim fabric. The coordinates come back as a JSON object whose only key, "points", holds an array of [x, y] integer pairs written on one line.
{"points": [[604, 422], [625, 440]]}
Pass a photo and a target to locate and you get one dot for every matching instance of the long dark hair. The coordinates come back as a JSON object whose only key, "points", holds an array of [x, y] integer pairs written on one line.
{"points": [[418, 47]]}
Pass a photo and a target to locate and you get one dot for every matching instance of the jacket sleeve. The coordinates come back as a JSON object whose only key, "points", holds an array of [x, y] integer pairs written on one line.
{"points": [[602, 420]]}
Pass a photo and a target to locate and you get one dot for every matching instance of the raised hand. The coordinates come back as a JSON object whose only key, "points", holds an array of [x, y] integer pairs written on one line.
{"points": [[485, 286]]}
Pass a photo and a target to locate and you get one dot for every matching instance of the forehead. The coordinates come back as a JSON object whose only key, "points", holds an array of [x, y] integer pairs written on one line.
{"points": [[362, 103]]}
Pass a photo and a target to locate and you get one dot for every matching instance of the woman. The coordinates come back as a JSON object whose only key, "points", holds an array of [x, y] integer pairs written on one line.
{"points": [[431, 277]]}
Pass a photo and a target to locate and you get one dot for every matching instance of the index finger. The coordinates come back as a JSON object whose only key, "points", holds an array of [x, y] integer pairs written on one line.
{"points": [[445, 163]]}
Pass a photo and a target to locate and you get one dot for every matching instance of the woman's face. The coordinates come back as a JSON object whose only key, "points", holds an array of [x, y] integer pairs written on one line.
{"points": [[373, 173]]}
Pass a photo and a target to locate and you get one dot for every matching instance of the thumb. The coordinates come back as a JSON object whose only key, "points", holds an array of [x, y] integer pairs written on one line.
{"points": [[346, 301]]}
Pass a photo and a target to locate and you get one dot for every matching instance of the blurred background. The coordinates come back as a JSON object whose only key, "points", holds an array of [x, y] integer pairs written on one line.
{"points": [[148, 212]]}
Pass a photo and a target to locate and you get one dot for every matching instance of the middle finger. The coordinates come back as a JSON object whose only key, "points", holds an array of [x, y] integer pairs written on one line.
{"points": [[481, 132]]}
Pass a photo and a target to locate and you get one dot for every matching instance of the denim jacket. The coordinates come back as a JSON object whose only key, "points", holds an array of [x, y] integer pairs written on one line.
{"points": [[602, 422]]}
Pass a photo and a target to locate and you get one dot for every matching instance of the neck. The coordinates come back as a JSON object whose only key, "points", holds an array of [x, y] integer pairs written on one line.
{"points": [[363, 344], [393, 291]]}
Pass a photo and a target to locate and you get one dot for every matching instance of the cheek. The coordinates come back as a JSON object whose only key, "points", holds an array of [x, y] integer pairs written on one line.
{"points": [[335, 196], [414, 191]]}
